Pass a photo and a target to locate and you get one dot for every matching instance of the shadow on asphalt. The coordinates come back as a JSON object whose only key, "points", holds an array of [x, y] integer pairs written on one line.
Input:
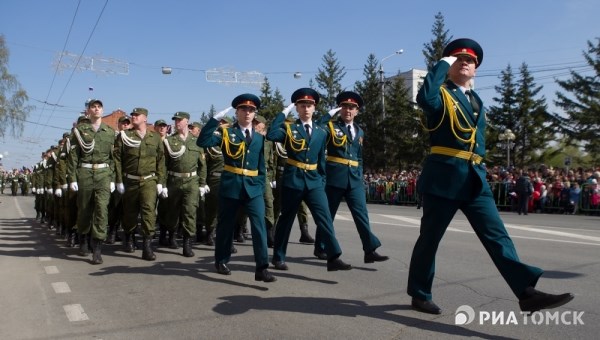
{"points": [[240, 304]]}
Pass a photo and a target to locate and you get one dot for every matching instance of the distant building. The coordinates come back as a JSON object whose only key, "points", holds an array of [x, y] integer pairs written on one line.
{"points": [[413, 80]]}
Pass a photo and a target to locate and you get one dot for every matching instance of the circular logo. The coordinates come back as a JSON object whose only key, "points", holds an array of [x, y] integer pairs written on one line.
{"points": [[464, 315]]}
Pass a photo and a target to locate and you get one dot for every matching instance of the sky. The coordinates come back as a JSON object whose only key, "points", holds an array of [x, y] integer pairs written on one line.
{"points": [[199, 40]]}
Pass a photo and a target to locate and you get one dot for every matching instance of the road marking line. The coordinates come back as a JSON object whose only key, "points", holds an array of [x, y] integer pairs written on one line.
{"points": [[75, 313], [51, 270], [61, 287], [553, 232], [45, 258], [19, 210]]}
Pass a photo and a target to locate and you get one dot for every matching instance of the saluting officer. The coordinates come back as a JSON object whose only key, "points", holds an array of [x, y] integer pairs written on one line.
{"points": [[304, 177], [91, 175], [345, 173], [186, 171], [242, 183], [140, 177], [454, 178]]}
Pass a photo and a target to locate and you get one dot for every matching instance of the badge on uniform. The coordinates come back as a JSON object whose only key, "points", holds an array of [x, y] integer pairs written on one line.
{"points": [[339, 133]]}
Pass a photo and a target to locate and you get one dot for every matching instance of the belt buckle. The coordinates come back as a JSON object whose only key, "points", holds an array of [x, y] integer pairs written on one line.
{"points": [[95, 166]]}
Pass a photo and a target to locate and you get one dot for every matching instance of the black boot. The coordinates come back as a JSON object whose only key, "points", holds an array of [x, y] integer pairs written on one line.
{"points": [[84, 249], [112, 235], [210, 238], [305, 236], [187, 246], [162, 237], [270, 237], [71, 239], [128, 245], [239, 234], [97, 251], [147, 253], [173, 240], [37, 215]]}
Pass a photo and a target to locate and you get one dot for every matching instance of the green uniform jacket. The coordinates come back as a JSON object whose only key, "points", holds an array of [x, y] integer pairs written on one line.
{"points": [[313, 152], [339, 145], [442, 175], [191, 160], [146, 159], [102, 151], [253, 159]]}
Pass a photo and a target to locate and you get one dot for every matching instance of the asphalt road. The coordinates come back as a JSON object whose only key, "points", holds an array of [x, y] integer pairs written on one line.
{"points": [[48, 292]]}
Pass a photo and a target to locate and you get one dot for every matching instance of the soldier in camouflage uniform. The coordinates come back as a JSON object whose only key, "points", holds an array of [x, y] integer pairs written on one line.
{"points": [[140, 176], [186, 177]]}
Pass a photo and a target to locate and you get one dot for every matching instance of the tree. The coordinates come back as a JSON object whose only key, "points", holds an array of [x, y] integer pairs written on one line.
{"points": [[329, 79], [501, 117], [13, 98], [534, 130], [369, 117], [581, 104], [433, 49], [405, 140], [270, 104]]}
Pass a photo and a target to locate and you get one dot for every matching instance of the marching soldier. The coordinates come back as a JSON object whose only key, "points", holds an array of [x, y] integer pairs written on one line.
{"points": [[345, 173], [115, 210], [61, 186], [454, 178], [91, 172], [242, 183], [140, 176], [26, 182], [186, 175], [280, 156], [304, 177], [195, 129], [49, 170]]}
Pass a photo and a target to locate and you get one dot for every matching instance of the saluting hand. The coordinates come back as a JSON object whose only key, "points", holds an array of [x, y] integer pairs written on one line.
{"points": [[450, 60], [288, 108], [222, 114], [334, 111]]}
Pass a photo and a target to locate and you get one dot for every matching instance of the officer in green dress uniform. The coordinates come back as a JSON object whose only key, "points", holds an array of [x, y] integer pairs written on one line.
{"points": [[345, 172], [26, 183], [186, 174], [115, 210], [304, 177], [91, 175], [242, 183], [454, 178], [140, 177], [61, 185], [195, 129]]}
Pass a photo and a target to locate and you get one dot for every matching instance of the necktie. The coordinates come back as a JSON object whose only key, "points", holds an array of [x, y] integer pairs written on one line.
{"points": [[473, 101], [307, 127], [349, 127], [248, 138]]}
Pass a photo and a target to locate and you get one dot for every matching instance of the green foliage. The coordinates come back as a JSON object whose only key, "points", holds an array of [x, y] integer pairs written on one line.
{"points": [[581, 103], [271, 103], [432, 51], [13, 99], [329, 80]]}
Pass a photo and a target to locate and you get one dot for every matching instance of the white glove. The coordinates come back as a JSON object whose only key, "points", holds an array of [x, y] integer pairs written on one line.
{"points": [[49, 191], [273, 184], [33, 190], [289, 108], [112, 187], [64, 186], [450, 60], [202, 191], [206, 189], [58, 192], [164, 193], [40, 191], [334, 111], [74, 186], [159, 188], [222, 114], [120, 188]]}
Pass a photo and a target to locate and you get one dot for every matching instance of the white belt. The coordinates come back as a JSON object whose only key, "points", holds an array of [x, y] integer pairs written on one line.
{"points": [[216, 174], [94, 166], [182, 174], [139, 178]]}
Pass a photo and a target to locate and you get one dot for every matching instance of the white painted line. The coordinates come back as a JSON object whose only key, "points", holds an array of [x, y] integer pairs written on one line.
{"points": [[538, 229], [414, 221], [51, 270], [341, 218], [19, 210], [61, 287], [75, 313], [45, 258]]}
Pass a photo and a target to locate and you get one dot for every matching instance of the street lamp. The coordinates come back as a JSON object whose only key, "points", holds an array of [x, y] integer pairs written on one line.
{"points": [[382, 80], [507, 136]]}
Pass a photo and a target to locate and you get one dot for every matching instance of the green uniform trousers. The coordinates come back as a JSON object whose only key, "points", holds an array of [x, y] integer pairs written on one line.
{"points": [[181, 205], [92, 201], [482, 214], [139, 198]]}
